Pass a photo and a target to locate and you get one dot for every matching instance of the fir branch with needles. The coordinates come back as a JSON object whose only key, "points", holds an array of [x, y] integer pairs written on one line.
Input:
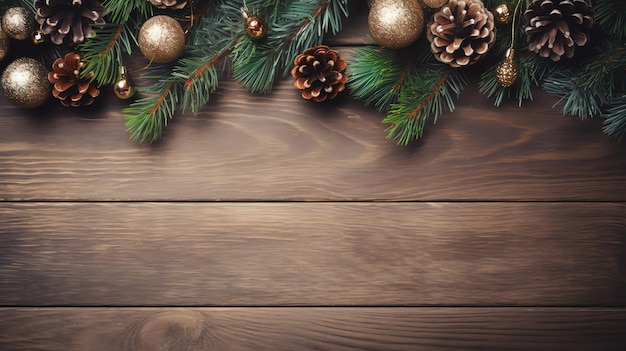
{"points": [[256, 64], [427, 95]]}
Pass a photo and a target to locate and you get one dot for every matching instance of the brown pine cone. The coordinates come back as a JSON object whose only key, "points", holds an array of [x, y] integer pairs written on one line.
{"points": [[556, 27], [461, 32], [169, 4], [69, 87], [319, 73], [69, 20]]}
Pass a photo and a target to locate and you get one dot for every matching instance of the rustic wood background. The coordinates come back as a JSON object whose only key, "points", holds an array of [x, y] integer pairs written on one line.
{"points": [[274, 223]]}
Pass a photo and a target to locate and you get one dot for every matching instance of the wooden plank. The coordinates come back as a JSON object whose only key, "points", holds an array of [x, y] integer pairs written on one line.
{"points": [[389, 329], [279, 147], [284, 254]]}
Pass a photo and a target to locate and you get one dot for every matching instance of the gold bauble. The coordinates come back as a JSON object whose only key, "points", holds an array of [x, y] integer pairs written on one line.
{"points": [[161, 39], [435, 4], [255, 27], [124, 87], [25, 83], [502, 14], [506, 71], [18, 23], [396, 23], [4, 44]]}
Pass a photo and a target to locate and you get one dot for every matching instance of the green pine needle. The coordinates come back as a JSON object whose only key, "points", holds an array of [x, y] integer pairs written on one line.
{"points": [[615, 117], [430, 91]]}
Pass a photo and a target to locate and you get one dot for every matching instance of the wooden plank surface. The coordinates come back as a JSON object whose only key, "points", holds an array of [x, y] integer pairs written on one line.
{"points": [[312, 254], [278, 147], [385, 329]]}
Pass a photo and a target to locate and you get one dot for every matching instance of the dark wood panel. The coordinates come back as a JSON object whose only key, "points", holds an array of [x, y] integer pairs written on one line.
{"points": [[279, 254], [389, 329], [280, 147]]}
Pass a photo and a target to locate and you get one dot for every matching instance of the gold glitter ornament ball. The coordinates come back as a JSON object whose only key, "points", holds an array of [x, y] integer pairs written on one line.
{"points": [[4, 44], [161, 39], [25, 83], [18, 23], [396, 23]]}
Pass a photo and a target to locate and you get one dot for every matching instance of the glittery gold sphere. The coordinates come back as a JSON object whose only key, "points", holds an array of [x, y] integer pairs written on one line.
{"points": [[502, 14], [396, 23], [161, 39], [18, 23], [435, 4], [4, 44], [506, 71], [25, 83]]}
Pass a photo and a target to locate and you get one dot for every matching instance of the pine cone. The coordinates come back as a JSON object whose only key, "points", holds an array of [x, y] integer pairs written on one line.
{"points": [[319, 73], [169, 4], [461, 32], [556, 27], [69, 20], [69, 87]]}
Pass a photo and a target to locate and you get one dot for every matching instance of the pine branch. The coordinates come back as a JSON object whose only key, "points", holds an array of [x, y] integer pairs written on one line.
{"points": [[428, 93], [615, 117], [584, 89], [256, 65], [611, 17], [104, 52], [377, 75]]}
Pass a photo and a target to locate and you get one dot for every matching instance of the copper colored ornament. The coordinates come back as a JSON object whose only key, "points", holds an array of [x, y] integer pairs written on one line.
{"points": [[255, 27], [25, 83], [435, 4], [161, 39], [396, 23], [18, 23], [506, 71], [124, 88], [5, 41], [502, 14]]}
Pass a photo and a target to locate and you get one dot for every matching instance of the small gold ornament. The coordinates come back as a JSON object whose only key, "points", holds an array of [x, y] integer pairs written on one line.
{"points": [[161, 39], [255, 26], [5, 42], [38, 37], [435, 4], [506, 71], [124, 88], [18, 23], [502, 14], [396, 24], [25, 83]]}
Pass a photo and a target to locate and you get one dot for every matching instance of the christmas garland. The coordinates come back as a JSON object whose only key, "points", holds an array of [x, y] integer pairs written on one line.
{"points": [[426, 54]]}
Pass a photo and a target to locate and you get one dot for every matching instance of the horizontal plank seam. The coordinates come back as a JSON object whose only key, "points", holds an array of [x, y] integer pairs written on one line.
{"points": [[564, 306], [252, 201]]}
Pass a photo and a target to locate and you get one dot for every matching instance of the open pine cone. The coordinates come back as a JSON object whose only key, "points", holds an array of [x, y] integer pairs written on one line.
{"points": [[69, 87], [319, 73], [169, 4], [556, 27], [69, 20], [461, 32]]}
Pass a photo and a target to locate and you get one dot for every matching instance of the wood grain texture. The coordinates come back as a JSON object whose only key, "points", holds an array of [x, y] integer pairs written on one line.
{"points": [[280, 147], [312, 254], [388, 329]]}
